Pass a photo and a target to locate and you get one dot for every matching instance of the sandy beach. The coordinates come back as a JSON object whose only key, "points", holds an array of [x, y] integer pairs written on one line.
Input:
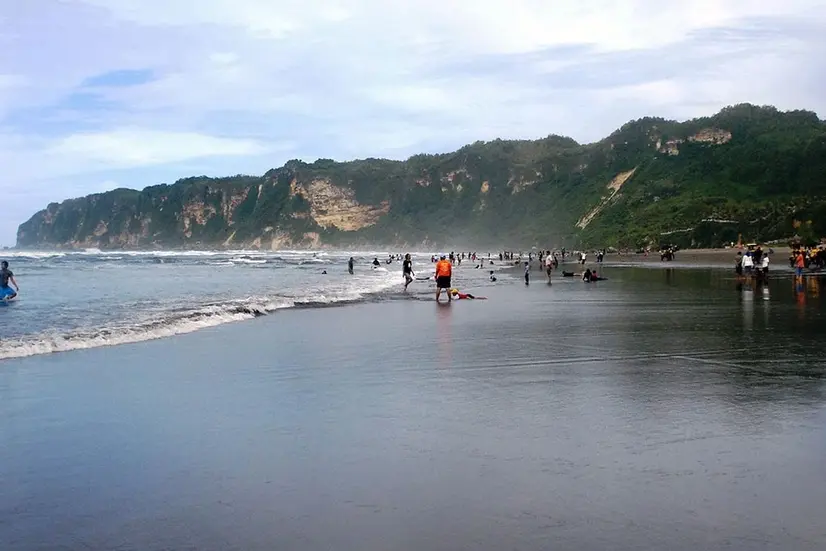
{"points": [[619, 415], [694, 257]]}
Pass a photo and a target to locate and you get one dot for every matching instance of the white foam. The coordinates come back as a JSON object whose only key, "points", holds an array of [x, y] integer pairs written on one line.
{"points": [[37, 255], [346, 289], [50, 344], [242, 260]]}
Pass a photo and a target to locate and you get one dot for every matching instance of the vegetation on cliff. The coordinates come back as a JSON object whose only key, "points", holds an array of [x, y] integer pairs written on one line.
{"points": [[747, 170]]}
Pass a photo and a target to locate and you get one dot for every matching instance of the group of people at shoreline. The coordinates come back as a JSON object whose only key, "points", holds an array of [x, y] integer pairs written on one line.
{"points": [[443, 263], [753, 262]]}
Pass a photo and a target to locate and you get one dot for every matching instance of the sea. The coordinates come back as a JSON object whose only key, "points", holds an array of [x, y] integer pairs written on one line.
{"points": [[93, 298]]}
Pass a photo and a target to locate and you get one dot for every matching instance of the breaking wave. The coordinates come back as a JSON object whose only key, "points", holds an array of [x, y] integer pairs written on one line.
{"points": [[107, 306], [168, 324]]}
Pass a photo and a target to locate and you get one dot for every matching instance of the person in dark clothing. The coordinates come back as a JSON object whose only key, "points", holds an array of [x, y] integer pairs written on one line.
{"points": [[350, 265], [376, 262], [587, 276], [407, 270], [6, 277]]}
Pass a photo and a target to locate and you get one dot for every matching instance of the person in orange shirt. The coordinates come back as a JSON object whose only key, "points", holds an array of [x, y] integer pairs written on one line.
{"points": [[444, 271], [799, 264]]}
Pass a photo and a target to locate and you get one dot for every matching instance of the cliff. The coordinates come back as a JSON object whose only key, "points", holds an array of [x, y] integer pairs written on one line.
{"points": [[750, 170]]}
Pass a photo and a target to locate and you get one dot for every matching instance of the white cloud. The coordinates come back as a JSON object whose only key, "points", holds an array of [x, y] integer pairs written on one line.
{"points": [[235, 83], [495, 26], [135, 147]]}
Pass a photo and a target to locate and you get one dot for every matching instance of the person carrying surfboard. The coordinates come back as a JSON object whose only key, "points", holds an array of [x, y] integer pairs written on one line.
{"points": [[7, 276]]}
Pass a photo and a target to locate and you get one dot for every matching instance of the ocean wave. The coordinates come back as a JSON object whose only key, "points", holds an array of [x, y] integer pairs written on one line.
{"points": [[248, 260], [180, 320], [32, 255]]}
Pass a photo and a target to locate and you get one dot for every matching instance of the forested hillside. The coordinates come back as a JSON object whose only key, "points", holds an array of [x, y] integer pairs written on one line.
{"points": [[747, 170]]}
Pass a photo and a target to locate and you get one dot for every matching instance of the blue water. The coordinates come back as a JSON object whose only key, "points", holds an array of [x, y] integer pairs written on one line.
{"points": [[88, 299]]}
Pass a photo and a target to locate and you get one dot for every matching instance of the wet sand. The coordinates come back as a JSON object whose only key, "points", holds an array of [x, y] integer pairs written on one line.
{"points": [[695, 257], [662, 409]]}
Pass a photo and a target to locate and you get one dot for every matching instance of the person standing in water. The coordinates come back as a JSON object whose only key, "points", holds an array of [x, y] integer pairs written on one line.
{"points": [[799, 264], [407, 270], [7, 276], [444, 272], [350, 265], [527, 273]]}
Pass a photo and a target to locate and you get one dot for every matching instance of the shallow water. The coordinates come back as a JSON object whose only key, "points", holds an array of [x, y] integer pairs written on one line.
{"points": [[657, 410], [89, 299]]}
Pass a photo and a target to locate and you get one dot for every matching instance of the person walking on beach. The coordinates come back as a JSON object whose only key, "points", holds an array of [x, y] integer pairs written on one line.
{"points": [[7, 276], [407, 270], [444, 271], [549, 265], [350, 265], [527, 273]]}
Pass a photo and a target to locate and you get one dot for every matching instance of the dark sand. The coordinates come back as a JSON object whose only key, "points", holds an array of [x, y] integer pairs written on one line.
{"points": [[662, 409], [695, 257]]}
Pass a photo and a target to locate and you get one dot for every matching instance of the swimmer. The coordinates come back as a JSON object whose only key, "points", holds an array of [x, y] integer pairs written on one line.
{"points": [[7, 276]]}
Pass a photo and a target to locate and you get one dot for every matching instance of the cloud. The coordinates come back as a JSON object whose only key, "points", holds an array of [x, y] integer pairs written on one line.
{"points": [[135, 147], [141, 91]]}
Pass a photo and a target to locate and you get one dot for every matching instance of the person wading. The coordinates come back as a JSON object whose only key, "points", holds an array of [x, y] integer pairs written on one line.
{"points": [[407, 270], [444, 271]]}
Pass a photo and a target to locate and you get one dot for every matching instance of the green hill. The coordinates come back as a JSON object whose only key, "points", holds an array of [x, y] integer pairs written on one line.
{"points": [[747, 170]]}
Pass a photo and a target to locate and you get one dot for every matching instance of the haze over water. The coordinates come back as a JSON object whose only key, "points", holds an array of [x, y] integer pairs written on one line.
{"points": [[661, 409]]}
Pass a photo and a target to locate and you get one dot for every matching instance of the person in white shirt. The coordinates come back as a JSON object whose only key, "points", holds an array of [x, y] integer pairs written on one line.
{"points": [[748, 264], [764, 264], [549, 265]]}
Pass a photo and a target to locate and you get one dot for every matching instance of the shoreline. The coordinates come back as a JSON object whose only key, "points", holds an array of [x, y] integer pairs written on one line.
{"points": [[700, 257]]}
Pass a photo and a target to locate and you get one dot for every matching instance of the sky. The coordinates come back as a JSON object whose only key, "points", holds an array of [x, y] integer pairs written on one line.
{"points": [[100, 94]]}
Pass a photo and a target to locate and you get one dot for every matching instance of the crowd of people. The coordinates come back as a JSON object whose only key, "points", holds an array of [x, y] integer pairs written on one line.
{"points": [[545, 260], [753, 262]]}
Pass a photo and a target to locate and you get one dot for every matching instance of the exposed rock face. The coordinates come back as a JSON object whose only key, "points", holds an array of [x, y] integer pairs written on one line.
{"points": [[518, 184], [194, 213], [613, 187], [333, 206], [671, 147], [711, 135]]}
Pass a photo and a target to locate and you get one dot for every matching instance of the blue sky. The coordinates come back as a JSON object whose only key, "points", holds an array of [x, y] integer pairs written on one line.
{"points": [[98, 94]]}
